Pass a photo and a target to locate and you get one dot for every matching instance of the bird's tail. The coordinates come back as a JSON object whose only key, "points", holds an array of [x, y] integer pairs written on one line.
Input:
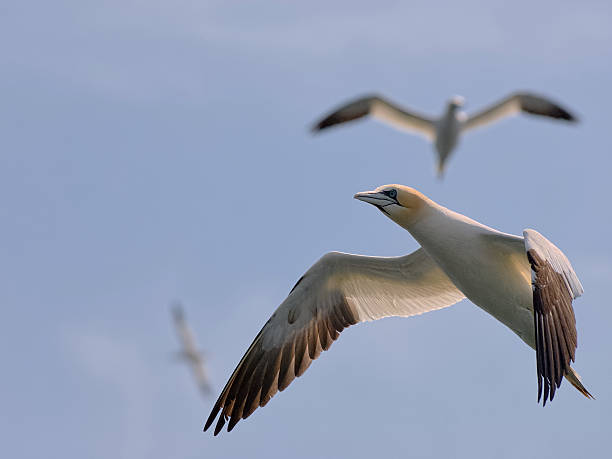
{"points": [[574, 379], [440, 170]]}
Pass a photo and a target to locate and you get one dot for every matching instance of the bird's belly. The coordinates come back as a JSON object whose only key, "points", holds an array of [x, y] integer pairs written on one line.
{"points": [[513, 307], [446, 138], [501, 285]]}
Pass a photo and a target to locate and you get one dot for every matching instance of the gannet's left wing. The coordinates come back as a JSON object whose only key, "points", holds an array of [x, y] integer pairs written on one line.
{"points": [[513, 105]]}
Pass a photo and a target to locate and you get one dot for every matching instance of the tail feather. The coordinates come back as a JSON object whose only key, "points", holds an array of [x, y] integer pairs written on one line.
{"points": [[440, 169], [574, 379]]}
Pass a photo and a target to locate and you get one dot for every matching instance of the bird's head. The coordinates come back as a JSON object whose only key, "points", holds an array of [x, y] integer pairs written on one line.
{"points": [[456, 102], [402, 204]]}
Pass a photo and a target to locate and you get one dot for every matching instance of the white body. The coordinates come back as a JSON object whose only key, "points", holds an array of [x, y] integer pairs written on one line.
{"points": [[481, 258], [448, 129]]}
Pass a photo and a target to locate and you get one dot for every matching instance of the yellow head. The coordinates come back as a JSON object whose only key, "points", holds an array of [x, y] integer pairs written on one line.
{"points": [[402, 204]]}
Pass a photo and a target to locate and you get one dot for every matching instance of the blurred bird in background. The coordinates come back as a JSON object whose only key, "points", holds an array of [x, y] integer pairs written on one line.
{"points": [[445, 130], [190, 352]]}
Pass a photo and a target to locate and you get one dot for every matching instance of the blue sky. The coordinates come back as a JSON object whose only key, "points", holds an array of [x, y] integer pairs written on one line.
{"points": [[154, 151]]}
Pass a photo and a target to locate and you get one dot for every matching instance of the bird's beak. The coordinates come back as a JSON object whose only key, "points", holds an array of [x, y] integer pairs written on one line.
{"points": [[375, 198]]}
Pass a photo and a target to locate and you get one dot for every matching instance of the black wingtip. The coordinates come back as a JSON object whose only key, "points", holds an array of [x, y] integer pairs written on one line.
{"points": [[555, 112], [323, 124], [211, 417], [563, 114], [537, 105], [219, 425], [539, 389], [232, 423], [550, 390]]}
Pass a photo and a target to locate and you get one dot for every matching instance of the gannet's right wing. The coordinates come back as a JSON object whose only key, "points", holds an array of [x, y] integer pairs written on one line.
{"points": [[338, 291], [382, 109]]}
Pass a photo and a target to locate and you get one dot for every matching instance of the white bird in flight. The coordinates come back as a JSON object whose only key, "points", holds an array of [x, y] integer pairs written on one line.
{"points": [[190, 352], [525, 282], [444, 131]]}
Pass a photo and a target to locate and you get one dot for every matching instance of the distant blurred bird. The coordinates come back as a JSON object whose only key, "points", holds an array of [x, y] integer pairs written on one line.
{"points": [[190, 352], [526, 283], [445, 130]]}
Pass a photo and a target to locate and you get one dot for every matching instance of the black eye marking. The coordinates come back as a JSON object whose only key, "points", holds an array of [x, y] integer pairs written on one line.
{"points": [[391, 193]]}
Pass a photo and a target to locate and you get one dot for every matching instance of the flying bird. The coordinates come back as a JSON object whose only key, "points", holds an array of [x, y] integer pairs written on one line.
{"points": [[190, 352], [526, 283], [444, 131]]}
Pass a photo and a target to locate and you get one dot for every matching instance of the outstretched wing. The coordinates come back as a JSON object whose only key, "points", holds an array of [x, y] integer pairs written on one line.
{"points": [[513, 105], [338, 291], [555, 285], [383, 110]]}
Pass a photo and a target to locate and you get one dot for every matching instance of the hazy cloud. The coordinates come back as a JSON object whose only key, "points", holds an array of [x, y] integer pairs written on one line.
{"points": [[121, 365]]}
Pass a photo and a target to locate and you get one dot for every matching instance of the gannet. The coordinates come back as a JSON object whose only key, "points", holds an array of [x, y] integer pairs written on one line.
{"points": [[526, 283], [190, 352], [444, 131]]}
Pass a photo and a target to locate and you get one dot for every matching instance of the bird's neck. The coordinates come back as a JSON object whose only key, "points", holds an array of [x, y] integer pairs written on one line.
{"points": [[451, 111], [438, 224]]}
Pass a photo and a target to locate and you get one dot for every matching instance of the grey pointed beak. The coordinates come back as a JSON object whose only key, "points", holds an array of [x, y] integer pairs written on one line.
{"points": [[375, 198]]}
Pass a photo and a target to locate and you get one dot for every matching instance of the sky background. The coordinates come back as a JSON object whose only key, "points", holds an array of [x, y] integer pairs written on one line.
{"points": [[155, 150]]}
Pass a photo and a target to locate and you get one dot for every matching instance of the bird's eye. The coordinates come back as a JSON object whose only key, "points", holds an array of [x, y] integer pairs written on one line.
{"points": [[392, 194]]}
